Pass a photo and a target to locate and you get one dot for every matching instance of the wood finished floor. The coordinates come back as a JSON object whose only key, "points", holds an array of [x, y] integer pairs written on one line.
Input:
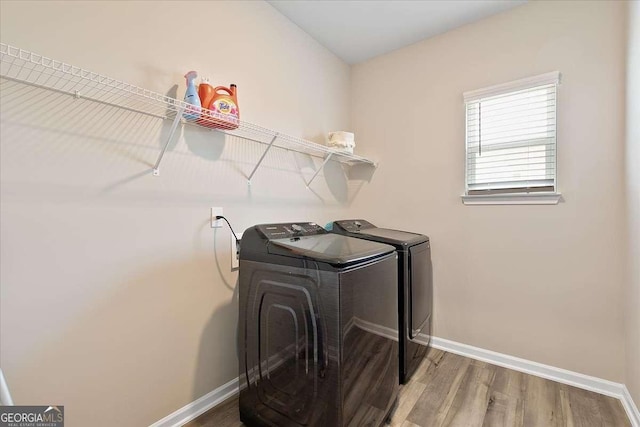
{"points": [[451, 390]]}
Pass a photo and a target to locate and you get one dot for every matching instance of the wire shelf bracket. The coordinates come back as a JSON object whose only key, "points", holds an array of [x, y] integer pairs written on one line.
{"points": [[264, 154], [326, 160], [172, 131]]}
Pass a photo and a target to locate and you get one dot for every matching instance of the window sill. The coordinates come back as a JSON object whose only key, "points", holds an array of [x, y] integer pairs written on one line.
{"points": [[513, 199]]}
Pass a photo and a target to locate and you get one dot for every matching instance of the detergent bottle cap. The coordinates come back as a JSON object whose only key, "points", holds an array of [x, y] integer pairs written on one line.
{"points": [[190, 76]]}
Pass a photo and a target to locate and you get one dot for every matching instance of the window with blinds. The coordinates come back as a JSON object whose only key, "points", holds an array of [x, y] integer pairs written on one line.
{"points": [[511, 137]]}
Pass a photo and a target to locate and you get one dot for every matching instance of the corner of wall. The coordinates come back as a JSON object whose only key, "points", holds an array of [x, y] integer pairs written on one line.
{"points": [[632, 152]]}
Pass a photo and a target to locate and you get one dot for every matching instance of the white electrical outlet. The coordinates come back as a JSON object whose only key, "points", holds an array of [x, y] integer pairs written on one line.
{"points": [[235, 252], [216, 223]]}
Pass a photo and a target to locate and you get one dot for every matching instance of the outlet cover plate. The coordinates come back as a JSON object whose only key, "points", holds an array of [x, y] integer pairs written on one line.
{"points": [[216, 223], [235, 252]]}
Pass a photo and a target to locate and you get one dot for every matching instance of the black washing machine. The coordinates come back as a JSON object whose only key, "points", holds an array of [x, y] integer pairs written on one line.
{"points": [[317, 333], [415, 286]]}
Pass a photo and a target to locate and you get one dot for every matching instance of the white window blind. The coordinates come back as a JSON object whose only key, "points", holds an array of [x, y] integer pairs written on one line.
{"points": [[511, 137]]}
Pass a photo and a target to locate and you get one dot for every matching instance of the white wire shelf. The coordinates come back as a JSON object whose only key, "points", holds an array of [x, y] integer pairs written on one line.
{"points": [[23, 67]]}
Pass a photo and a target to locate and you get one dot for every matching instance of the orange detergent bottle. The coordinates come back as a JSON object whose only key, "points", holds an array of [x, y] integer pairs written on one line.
{"points": [[205, 93], [224, 113]]}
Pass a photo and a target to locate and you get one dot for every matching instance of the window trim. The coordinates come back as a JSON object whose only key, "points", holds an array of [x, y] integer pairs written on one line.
{"points": [[539, 80], [525, 196], [541, 198]]}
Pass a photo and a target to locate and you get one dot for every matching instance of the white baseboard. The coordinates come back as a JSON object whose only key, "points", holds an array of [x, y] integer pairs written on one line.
{"points": [[598, 385], [200, 406], [563, 376], [630, 407], [560, 375]]}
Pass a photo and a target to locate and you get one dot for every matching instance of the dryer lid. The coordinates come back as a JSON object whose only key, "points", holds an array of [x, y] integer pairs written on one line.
{"points": [[395, 237], [365, 230], [329, 248]]}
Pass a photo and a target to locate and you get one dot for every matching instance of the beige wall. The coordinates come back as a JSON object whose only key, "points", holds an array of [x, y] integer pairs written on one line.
{"points": [[633, 201], [117, 299], [540, 282]]}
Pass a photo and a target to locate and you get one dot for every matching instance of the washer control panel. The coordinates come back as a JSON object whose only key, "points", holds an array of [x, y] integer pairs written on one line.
{"points": [[290, 230]]}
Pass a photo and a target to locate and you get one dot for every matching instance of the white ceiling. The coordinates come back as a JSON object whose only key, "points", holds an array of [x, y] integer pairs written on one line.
{"points": [[359, 30]]}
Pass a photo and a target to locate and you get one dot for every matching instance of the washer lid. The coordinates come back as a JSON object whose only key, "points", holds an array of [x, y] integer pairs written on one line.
{"points": [[330, 248]]}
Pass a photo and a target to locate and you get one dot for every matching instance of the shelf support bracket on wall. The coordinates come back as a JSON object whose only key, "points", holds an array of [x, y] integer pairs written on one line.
{"points": [[262, 158], [326, 159], [172, 131]]}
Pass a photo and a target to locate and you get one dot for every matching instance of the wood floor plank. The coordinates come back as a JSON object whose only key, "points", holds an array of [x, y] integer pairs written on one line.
{"points": [[542, 407], [408, 396], [500, 411], [441, 387], [584, 408], [565, 402], [506, 399], [589, 409], [613, 413], [472, 399], [426, 368]]}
